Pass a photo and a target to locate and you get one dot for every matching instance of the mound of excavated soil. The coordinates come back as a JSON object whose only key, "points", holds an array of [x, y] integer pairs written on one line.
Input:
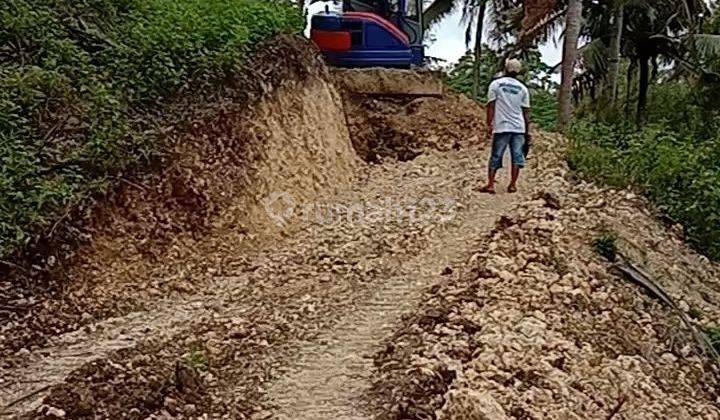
{"points": [[401, 128], [535, 326]]}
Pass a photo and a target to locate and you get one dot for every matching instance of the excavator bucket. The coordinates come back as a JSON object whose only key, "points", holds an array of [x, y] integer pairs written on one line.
{"points": [[390, 82]]}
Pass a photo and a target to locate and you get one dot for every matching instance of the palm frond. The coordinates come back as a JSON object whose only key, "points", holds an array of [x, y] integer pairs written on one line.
{"points": [[544, 29], [594, 57], [437, 10]]}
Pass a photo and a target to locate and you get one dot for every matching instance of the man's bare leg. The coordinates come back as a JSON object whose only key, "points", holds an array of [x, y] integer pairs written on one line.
{"points": [[490, 187], [514, 175]]}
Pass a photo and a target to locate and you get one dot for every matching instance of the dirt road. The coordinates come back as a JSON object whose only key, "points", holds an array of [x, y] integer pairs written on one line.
{"points": [[400, 297], [287, 331], [388, 289]]}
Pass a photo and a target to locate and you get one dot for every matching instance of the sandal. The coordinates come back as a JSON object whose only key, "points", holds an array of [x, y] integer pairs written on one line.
{"points": [[512, 189], [486, 189]]}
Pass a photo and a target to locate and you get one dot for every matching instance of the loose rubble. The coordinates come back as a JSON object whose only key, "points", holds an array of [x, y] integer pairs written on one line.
{"points": [[402, 128], [537, 326]]}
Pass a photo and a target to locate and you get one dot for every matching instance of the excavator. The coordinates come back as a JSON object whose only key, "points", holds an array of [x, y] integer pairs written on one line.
{"points": [[376, 41], [371, 33]]}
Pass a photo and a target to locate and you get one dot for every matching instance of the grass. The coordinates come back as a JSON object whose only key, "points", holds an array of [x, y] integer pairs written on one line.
{"points": [[197, 359], [695, 313], [713, 334], [606, 245], [78, 77]]}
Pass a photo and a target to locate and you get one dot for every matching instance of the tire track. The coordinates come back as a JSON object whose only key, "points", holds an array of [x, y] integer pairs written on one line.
{"points": [[385, 264]]}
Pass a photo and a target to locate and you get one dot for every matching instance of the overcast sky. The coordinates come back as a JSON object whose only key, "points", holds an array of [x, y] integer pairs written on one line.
{"points": [[449, 41]]}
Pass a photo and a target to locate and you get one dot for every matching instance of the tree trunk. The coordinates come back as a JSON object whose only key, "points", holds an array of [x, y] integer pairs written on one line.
{"points": [[614, 60], [478, 49], [628, 88], [573, 24], [643, 86]]}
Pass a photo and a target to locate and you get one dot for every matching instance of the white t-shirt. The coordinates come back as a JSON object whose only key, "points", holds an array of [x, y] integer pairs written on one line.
{"points": [[510, 97]]}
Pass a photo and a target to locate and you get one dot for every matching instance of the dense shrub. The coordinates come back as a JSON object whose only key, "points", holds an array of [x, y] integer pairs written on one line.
{"points": [[76, 75], [681, 175], [691, 110], [544, 108]]}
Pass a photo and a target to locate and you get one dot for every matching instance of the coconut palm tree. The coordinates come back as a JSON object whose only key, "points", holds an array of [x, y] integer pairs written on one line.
{"points": [[474, 14], [573, 25], [613, 72], [474, 17], [643, 31]]}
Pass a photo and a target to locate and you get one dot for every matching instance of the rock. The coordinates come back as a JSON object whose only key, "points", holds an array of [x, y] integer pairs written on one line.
{"points": [[683, 306], [261, 415], [669, 358], [55, 412], [551, 200], [506, 275], [170, 403], [470, 404]]}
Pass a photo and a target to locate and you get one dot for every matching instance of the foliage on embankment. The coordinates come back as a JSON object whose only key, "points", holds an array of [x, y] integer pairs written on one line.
{"points": [[673, 160], [672, 153], [80, 79]]}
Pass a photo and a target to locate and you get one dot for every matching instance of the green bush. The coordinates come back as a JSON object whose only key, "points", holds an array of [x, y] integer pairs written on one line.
{"points": [[713, 334], [459, 77], [691, 111], [606, 245], [680, 175], [544, 109], [76, 75]]}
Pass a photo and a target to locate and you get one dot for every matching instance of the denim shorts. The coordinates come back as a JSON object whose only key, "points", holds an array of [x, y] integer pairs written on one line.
{"points": [[501, 141]]}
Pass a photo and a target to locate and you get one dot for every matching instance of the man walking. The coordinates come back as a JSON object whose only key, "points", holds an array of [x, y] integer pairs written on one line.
{"points": [[508, 121]]}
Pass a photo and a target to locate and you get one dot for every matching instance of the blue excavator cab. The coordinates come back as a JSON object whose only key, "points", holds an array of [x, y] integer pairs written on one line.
{"points": [[371, 33]]}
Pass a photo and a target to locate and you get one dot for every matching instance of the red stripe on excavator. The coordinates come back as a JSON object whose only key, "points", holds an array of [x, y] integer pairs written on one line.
{"points": [[332, 41], [402, 36]]}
